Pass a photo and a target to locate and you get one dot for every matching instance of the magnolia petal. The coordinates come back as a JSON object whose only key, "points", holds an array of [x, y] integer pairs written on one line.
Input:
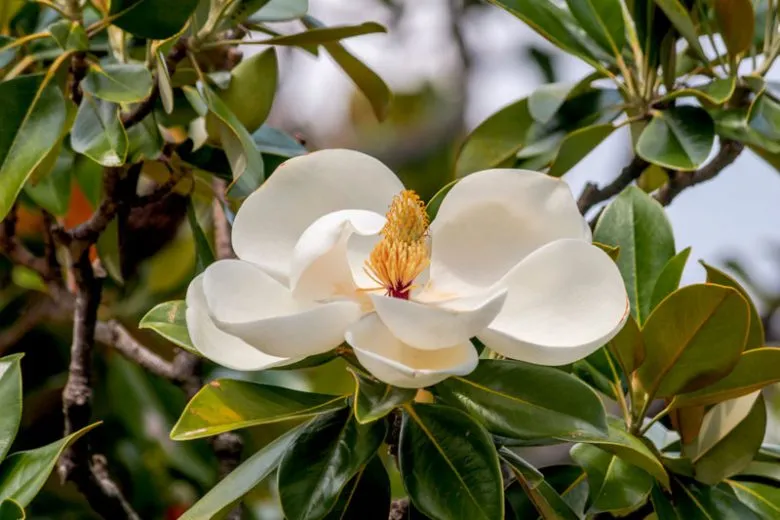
{"points": [[491, 220], [301, 190], [221, 347], [565, 301], [429, 326], [398, 364], [248, 303], [320, 265]]}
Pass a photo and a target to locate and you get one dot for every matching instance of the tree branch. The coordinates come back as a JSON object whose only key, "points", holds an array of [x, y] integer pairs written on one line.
{"points": [[593, 195], [679, 181], [15, 250]]}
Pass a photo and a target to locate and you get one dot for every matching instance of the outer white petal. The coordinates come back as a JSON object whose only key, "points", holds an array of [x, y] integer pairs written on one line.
{"points": [[300, 191], [398, 364], [246, 302], [491, 220], [565, 301], [431, 326], [219, 346], [320, 263]]}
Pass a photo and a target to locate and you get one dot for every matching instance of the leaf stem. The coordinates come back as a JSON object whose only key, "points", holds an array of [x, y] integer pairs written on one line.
{"points": [[660, 415]]}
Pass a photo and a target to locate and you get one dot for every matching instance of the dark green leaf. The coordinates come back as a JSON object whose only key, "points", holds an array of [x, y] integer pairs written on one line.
{"points": [[716, 92], [108, 251], [662, 505], [695, 501], [627, 347], [576, 145], [679, 137], [10, 400], [222, 497], [52, 192], [69, 35], [761, 498], [324, 35], [597, 370], [330, 450], [367, 495], [680, 18], [374, 399], [24, 473], [280, 11], [603, 21], [560, 496], [11, 510], [764, 117], [692, 339], [637, 224], [755, 337], [98, 132], [736, 22], [669, 279], [118, 82], [530, 402], [203, 254], [32, 119], [521, 468], [154, 19], [145, 141], [226, 404], [449, 465], [168, 319], [615, 485]]}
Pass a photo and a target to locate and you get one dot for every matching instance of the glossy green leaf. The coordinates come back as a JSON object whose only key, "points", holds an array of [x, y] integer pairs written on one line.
{"points": [[24, 473], [679, 137], [10, 400], [144, 140], [560, 496], [733, 124], [204, 256], [736, 21], [717, 91], [272, 141], [628, 347], [662, 505], [228, 491], [696, 501], [52, 192], [731, 451], [169, 320], [524, 401], [669, 279], [615, 485], [32, 119], [755, 337], [764, 116], [449, 465], [681, 20], [280, 11], [637, 224], [495, 140], [330, 450], [521, 467], [545, 101], [761, 498], [98, 132], [11, 510], [69, 35], [374, 399], [164, 82], [754, 370], [603, 21], [692, 339], [227, 404], [367, 495], [108, 251], [325, 35], [118, 82], [599, 371], [153, 19], [577, 145]]}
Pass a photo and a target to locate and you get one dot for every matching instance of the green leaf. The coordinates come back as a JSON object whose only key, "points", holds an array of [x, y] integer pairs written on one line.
{"points": [[52, 192], [69, 35], [374, 399], [10, 400], [736, 21], [495, 140], [637, 224], [330, 450], [545, 101], [145, 141], [733, 124], [449, 465], [108, 250], [730, 451], [11, 510], [319, 35], [679, 137], [169, 320], [203, 254], [755, 337], [615, 485], [678, 15], [27, 278], [521, 468], [692, 339], [576, 145], [153, 19], [597, 370], [118, 82], [764, 117], [560, 496], [32, 119], [280, 11], [98, 132], [669, 279], [225, 405], [754, 370], [367, 495], [24, 473], [228, 491], [524, 401], [269, 140], [603, 21], [695, 501], [662, 505], [245, 160], [6, 56], [627, 347], [716, 92], [761, 498], [631, 449], [164, 82]]}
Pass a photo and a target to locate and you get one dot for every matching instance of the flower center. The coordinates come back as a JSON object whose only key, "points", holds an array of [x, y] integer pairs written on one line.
{"points": [[402, 254]]}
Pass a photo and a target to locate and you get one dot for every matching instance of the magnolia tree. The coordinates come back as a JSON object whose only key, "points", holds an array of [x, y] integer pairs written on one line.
{"points": [[459, 334]]}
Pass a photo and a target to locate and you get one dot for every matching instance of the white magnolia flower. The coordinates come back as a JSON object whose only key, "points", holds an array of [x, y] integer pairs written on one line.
{"points": [[332, 247]]}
